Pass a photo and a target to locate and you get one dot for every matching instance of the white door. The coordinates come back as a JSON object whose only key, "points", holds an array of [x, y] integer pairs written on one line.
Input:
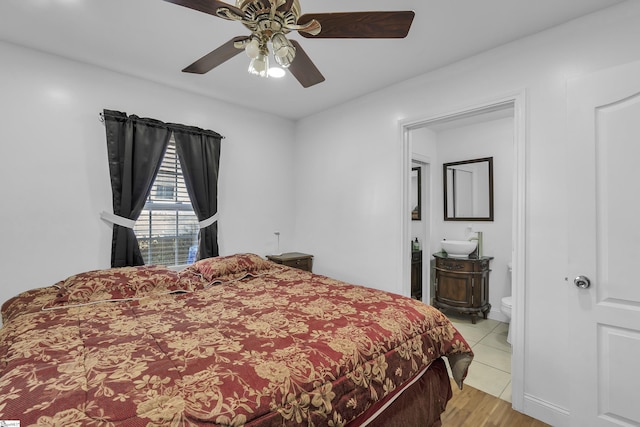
{"points": [[604, 247]]}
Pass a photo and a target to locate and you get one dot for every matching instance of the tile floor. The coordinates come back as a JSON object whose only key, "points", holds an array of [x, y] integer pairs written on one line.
{"points": [[490, 370]]}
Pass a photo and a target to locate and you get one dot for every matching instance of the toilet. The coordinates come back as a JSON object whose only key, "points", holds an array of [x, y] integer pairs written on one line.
{"points": [[505, 308]]}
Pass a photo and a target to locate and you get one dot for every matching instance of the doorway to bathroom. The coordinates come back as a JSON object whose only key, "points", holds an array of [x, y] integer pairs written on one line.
{"points": [[492, 129]]}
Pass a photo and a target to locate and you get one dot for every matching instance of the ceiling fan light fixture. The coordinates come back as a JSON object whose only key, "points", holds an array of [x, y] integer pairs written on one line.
{"points": [[283, 51], [259, 65], [252, 49]]}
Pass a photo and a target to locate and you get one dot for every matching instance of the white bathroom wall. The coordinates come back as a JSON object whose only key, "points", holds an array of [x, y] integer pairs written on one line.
{"points": [[424, 153], [418, 227], [55, 174], [424, 145], [493, 138], [349, 199], [486, 136]]}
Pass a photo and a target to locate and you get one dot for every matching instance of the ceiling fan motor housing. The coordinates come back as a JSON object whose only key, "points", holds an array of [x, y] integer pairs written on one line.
{"points": [[264, 18]]}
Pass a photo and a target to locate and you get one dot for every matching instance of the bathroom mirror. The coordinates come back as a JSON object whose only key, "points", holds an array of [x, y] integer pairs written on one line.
{"points": [[416, 190], [468, 190]]}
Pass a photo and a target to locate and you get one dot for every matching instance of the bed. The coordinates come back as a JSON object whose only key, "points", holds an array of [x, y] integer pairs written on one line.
{"points": [[228, 341]]}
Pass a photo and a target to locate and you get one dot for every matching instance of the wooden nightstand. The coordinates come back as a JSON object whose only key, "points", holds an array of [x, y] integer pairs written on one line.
{"points": [[293, 259]]}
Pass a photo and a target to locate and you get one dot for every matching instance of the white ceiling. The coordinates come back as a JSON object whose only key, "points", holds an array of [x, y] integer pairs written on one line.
{"points": [[153, 39]]}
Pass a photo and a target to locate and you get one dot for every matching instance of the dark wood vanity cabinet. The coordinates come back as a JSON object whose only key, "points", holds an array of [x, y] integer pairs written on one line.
{"points": [[462, 285], [416, 275]]}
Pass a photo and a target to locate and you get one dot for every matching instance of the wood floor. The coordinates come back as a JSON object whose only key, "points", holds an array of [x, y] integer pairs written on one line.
{"points": [[470, 407]]}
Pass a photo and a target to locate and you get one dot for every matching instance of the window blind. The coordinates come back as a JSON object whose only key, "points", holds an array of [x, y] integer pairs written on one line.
{"points": [[167, 229]]}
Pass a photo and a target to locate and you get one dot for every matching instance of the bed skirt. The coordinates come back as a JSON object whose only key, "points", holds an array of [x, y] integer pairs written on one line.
{"points": [[420, 403]]}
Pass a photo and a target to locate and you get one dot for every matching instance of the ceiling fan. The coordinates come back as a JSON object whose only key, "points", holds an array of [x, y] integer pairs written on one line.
{"points": [[270, 20]]}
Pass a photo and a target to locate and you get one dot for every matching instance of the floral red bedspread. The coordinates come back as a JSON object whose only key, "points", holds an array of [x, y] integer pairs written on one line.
{"points": [[230, 341]]}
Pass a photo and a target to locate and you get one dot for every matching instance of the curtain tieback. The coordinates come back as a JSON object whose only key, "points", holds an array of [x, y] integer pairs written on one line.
{"points": [[209, 221], [117, 219]]}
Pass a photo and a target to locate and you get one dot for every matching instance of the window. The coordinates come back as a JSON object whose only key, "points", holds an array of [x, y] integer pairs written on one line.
{"points": [[167, 229], [165, 191]]}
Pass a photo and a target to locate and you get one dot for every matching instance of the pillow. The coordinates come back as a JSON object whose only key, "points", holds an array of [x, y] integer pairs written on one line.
{"points": [[224, 269], [116, 284], [26, 302]]}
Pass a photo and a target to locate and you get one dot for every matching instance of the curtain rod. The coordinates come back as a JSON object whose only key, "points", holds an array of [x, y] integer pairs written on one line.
{"points": [[169, 125]]}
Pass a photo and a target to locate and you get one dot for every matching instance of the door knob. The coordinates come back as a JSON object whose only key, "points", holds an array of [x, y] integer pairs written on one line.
{"points": [[582, 282]]}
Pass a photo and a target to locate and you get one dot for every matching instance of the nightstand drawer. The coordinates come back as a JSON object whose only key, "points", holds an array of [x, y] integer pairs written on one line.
{"points": [[302, 264], [294, 259]]}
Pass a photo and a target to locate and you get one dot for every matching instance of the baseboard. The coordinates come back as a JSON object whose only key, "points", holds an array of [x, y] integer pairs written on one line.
{"points": [[544, 411], [499, 316]]}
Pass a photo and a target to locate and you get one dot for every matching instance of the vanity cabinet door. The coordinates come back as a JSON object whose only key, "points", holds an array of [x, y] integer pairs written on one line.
{"points": [[454, 289]]}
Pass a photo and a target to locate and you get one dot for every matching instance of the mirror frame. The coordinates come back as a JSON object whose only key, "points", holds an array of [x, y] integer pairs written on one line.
{"points": [[416, 214], [444, 178]]}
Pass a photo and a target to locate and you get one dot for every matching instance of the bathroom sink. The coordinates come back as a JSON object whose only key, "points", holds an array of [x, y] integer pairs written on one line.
{"points": [[458, 248]]}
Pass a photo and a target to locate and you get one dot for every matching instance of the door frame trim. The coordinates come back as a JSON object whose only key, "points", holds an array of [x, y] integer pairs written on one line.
{"points": [[426, 183], [518, 320]]}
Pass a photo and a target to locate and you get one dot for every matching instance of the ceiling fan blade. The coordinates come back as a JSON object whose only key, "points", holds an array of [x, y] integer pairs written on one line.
{"points": [[216, 57], [303, 69], [207, 6], [360, 25]]}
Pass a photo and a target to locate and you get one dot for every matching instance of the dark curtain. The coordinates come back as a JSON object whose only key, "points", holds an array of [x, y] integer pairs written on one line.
{"points": [[199, 155], [135, 149]]}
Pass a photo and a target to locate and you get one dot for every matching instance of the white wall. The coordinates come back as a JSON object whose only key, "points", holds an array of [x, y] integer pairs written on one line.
{"points": [[349, 175], [346, 162], [55, 174]]}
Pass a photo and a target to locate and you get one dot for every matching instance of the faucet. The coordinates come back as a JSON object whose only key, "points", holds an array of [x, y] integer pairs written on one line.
{"points": [[478, 238]]}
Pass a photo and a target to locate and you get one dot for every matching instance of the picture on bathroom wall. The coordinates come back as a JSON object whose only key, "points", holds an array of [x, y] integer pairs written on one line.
{"points": [[416, 190]]}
